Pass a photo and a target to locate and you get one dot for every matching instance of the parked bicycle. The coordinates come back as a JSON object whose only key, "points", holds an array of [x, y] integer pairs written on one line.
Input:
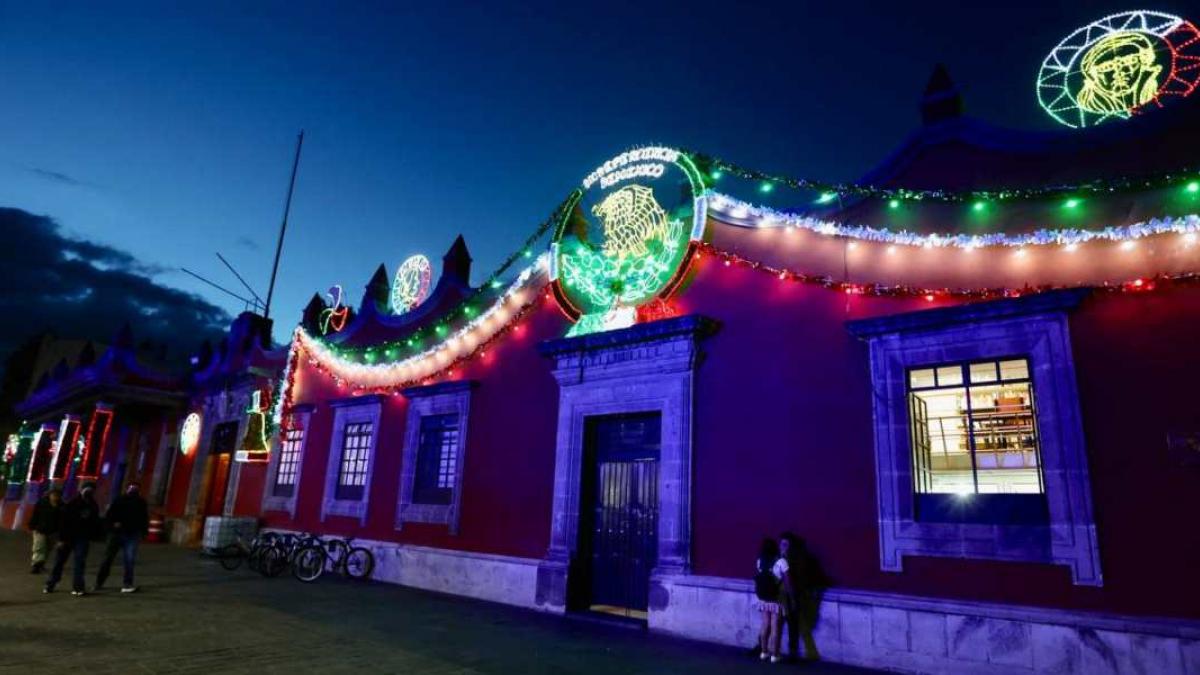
{"points": [[233, 554], [339, 556]]}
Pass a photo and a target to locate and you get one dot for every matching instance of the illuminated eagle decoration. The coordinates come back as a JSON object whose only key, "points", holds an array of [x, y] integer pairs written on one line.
{"points": [[637, 258]]}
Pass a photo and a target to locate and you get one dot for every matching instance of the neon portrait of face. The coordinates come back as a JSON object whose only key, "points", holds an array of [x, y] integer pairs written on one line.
{"points": [[1120, 73]]}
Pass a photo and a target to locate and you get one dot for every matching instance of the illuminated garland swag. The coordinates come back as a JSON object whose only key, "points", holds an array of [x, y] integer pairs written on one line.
{"points": [[716, 168], [380, 369]]}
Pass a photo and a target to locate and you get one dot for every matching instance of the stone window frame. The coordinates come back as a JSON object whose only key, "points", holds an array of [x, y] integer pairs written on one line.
{"points": [[356, 409], [1035, 327], [272, 502], [445, 398], [645, 368]]}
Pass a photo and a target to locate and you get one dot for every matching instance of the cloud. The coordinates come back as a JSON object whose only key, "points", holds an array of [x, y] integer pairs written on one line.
{"points": [[58, 177], [247, 242], [82, 289]]}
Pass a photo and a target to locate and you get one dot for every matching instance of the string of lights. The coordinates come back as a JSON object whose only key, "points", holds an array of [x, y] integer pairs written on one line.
{"points": [[734, 260], [376, 369], [738, 212], [829, 191]]}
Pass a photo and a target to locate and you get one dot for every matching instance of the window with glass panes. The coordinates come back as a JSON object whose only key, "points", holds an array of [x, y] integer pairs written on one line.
{"points": [[356, 449], [974, 428], [437, 460], [289, 463]]}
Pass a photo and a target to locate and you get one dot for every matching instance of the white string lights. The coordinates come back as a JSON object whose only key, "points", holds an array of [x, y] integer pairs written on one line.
{"points": [[744, 214], [458, 345]]}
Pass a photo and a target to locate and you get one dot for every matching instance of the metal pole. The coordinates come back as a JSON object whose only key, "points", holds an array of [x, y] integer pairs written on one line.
{"points": [[283, 226]]}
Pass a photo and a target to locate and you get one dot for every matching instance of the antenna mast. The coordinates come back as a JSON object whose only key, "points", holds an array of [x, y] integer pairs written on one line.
{"points": [[287, 207]]}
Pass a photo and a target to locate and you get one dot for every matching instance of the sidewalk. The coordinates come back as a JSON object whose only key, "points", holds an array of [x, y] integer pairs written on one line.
{"points": [[193, 616]]}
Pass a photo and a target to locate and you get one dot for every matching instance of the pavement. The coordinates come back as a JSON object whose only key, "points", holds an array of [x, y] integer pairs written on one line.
{"points": [[191, 616]]}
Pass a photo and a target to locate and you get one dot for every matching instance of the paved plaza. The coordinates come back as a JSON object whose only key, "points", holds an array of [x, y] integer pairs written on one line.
{"points": [[193, 616]]}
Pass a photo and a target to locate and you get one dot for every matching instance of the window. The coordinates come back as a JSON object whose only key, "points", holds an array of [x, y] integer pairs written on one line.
{"points": [[351, 458], [289, 463], [356, 451], [979, 446], [974, 429], [435, 447], [437, 463]]}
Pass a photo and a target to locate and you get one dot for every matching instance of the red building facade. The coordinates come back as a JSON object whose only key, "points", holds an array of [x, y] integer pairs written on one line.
{"points": [[1019, 520]]}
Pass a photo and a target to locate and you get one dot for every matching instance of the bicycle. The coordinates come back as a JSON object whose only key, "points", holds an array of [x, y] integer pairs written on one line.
{"points": [[231, 555], [336, 555], [283, 552]]}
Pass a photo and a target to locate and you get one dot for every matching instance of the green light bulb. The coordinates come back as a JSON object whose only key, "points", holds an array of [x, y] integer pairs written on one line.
{"points": [[1193, 187], [1072, 203], [766, 187], [894, 204], [979, 206], [716, 175], [826, 197]]}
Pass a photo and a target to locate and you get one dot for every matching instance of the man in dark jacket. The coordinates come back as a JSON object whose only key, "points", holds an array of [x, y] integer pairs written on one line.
{"points": [[80, 525], [46, 520], [128, 520]]}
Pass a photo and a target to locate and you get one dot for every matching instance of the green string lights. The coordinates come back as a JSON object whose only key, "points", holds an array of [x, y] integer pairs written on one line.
{"points": [[828, 192]]}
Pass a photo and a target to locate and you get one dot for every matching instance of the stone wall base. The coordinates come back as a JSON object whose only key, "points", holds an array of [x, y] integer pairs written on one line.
{"points": [[879, 630], [496, 578], [924, 635]]}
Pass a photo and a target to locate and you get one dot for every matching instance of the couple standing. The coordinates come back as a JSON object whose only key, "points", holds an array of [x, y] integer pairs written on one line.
{"points": [[76, 524], [786, 582]]}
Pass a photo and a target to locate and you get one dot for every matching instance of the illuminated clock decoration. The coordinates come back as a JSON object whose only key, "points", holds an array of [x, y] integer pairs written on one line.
{"points": [[412, 283], [1120, 66], [333, 318], [189, 434], [627, 239]]}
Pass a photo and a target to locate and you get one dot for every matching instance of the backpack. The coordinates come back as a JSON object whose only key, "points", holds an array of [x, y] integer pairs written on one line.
{"points": [[766, 586]]}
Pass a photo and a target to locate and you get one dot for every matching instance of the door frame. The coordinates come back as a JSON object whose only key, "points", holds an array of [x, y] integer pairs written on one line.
{"points": [[644, 368]]}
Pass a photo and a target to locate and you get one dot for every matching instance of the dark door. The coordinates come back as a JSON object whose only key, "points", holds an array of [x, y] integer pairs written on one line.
{"points": [[620, 518]]}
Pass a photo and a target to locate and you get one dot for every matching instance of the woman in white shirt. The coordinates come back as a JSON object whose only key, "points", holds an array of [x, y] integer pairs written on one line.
{"points": [[772, 589]]}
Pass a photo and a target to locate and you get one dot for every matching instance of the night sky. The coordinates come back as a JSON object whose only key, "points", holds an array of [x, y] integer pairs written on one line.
{"points": [[162, 135]]}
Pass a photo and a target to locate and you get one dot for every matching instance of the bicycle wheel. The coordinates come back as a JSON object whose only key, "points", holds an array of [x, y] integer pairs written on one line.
{"points": [[230, 556], [309, 564], [273, 562], [359, 563]]}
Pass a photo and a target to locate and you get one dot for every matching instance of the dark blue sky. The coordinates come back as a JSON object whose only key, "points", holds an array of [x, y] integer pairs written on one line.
{"points": [[168, 132]]}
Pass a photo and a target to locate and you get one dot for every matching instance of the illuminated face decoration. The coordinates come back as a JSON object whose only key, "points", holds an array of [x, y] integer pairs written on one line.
{"points": [[1119, 74], [626, 239], [1120, 66]]}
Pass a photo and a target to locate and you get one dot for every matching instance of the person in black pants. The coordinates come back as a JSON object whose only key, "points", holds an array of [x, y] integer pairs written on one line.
{"points": [[128, 520], [47, 517], [80, 525]]}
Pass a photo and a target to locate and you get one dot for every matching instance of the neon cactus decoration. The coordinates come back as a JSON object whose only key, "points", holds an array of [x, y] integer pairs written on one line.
{"points": [[189, 434], [412, 283], [1119, 66], [626, 238]]}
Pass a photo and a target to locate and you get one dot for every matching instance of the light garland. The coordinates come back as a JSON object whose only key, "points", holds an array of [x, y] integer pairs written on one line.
{"points": [[828, 192], [744, 214], [462, 343], [730, 259]]}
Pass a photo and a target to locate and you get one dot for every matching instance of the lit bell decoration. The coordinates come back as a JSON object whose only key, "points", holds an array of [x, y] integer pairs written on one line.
{"points": [[254, 443]]}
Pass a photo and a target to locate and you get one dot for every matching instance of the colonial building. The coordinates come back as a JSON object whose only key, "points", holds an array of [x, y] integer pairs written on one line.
{"points": [[975, 411]]}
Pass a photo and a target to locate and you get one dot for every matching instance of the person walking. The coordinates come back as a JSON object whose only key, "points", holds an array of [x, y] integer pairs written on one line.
{"points": [[80, 525], [128, 519], [44, 524]]}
